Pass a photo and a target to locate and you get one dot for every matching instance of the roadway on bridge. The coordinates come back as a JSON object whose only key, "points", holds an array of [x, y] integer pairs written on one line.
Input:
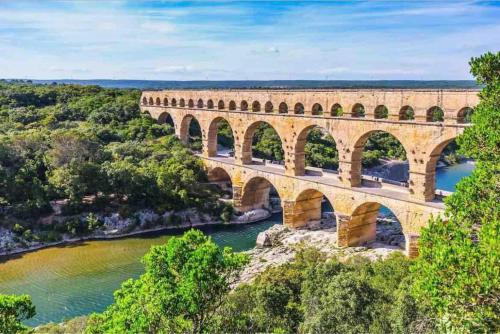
{"points": [[389, 191]]}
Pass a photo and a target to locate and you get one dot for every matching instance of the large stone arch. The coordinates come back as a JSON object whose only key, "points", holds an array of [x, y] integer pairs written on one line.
{"points": [[246, 145], [254, 194], [355, 154], [184, 127], [298, 159], [212, 134], [428, 183], [305, 209], [221, 178], [166, 117]]}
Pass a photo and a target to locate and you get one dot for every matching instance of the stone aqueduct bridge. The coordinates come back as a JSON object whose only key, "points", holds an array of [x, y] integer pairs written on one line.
{"points": [[292, 113]]}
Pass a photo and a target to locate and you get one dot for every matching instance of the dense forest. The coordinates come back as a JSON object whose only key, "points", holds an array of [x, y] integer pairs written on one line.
{"points": [[90, 147], [189, 283]]}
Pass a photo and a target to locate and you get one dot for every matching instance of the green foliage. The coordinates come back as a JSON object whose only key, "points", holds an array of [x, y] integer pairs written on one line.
{"points": [[225, 136], [90, 145], [321, 150], [184, 285], [13, 310], [457, 275], [267, 143]]}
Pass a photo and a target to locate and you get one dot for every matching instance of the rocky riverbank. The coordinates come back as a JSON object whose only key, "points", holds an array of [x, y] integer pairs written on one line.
{"points": [[279, 244], [114, 226]]}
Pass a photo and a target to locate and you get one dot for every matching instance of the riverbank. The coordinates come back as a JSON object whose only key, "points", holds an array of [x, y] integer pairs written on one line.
{"points": [[116, 227]]}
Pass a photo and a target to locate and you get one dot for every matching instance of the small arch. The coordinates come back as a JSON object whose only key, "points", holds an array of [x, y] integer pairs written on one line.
{"points": [[336, 110], [256, 106], [268, 107], [283, 108], [232, 105], [464, 115], [151, 102], [173, 102], [210, 104], [200, 103], [406, 113], [165, 102], [158, 101], [182, 103], [298, 109], [435, 114], [144, 100], [381, 112], [244, 105], [358, 110], [317, 109], [147, 114], [220, 105], [190, 103]]}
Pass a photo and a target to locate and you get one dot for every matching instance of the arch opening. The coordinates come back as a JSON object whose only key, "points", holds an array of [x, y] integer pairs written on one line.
{"points": [[379, 157], [317, 109], [445, 168], [165, 102], [244, 105], [255, 106], [381, 112], [151, 102], [312, 210], [158, 101], [210, 104], [261, 141], [182, 103], [232, 105], [221, 179], [220, 105], [435, 114], [375, 226], [406, 113], [298, 109], [220, 138], [283, 108], [358, 110], [144, 100], [464, 115], [166, 118], [268, 107], [190, 103], [191, 133], [315, 148], [174, 102], [336, 110], [199, 104], [259, 194]]}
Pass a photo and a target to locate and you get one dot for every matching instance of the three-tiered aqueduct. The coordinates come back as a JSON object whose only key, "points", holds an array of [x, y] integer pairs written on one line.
{"points": [[411, 116]]}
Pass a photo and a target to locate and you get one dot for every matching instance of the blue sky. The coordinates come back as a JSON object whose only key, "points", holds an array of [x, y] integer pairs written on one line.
{"points": [[224, 40]]}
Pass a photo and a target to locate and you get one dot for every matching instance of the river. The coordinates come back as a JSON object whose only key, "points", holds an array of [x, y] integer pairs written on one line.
{"points": [[78, 279]]}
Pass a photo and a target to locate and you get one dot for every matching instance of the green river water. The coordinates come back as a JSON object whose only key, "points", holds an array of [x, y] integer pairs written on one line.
{"points": [[78, 279]]}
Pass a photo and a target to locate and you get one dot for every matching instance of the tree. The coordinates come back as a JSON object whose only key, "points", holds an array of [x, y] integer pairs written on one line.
{"points": [[185, 283], [457, 274], [13, 310]]}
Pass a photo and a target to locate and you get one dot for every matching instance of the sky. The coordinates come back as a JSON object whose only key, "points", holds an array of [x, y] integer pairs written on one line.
{"points": [[250, 40]]}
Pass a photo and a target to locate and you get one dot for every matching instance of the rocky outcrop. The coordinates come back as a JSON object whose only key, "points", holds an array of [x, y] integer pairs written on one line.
{"points": [[279, 244]]}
